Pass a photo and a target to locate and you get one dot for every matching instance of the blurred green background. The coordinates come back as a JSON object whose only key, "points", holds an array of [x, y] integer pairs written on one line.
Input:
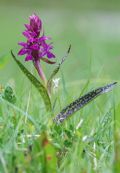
{"points": [[91, 27]]}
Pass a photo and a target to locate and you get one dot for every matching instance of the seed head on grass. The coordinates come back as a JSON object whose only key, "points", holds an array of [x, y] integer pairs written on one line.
{"points": [[36, 48]]}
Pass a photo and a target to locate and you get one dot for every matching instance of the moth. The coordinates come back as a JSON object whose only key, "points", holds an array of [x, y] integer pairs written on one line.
{"points": [[81, 102]]}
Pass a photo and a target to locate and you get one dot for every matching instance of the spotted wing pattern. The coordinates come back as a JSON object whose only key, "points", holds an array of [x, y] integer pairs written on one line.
{"points": [[81, 102]]}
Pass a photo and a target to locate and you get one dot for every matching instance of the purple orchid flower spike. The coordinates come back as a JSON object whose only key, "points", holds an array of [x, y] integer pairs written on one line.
{"points": [[36, 48]]}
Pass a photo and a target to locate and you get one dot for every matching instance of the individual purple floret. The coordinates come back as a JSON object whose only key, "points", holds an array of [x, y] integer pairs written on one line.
{"points": [[36, 47]]}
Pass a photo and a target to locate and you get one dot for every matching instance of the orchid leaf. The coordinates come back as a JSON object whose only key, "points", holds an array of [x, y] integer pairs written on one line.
{"points": [[55, 71], [42, 90], [81, 102]]}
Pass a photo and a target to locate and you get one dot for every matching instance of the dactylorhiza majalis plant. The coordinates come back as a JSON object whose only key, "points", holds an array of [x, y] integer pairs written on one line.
{"points": [[36, 50]]}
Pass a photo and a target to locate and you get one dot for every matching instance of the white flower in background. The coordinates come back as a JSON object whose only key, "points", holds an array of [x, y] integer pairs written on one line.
{"points": [[56, 83], [84, 138]]}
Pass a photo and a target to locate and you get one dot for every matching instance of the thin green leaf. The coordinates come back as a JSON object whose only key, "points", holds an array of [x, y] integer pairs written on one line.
{"points": [[81, 102], [55, 71], [42, 90]]}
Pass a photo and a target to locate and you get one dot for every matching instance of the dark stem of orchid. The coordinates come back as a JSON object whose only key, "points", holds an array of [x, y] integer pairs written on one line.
{"points": [[40, 71]]}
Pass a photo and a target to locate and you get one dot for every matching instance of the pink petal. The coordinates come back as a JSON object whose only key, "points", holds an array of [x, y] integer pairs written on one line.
{"points": [[28, 58], [35, 47], [22, 51], [43, 38], [50, 55], [27, 26], [22, 44], [42, 54], [27, 34], [31, 39]]}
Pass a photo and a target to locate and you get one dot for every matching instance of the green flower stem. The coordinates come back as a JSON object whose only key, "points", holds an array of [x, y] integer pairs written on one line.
{"points": [[40, 71]]}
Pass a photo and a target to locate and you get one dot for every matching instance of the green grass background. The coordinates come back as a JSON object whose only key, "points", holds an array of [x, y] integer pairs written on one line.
{"points": [[93, 30]]}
